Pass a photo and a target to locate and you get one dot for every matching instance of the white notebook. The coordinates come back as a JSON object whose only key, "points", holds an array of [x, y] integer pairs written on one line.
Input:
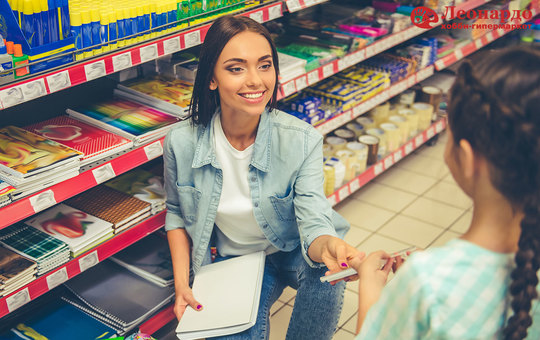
{"points": [[229, 291]]}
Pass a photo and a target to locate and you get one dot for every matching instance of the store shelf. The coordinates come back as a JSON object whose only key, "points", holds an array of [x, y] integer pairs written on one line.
{"points": [[159, 320], [471, 4], [48, 197], [380, 98], [47, 282], [386, 163], [475, 45], [87, 70], [297, 5]]}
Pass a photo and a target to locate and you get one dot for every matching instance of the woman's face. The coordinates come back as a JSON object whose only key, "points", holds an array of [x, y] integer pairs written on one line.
{"points": [[244, 75]]}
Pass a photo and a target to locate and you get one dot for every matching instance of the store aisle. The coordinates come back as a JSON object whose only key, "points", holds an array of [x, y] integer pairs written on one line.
{"points": [[416, 203]]}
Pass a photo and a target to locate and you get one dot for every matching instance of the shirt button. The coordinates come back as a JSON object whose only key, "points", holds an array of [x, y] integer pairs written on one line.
{"points": [[256, 204]]}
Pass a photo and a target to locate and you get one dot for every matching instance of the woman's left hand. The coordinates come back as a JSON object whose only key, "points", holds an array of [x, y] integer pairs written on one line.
{"points": [[335, 254]]}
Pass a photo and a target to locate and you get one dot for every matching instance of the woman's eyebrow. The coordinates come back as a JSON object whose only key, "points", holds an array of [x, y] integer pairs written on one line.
{"points": [[240, 60]]}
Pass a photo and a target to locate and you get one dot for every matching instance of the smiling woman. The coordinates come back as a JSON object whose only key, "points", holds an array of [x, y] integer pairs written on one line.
{"points": [[244, 177]]}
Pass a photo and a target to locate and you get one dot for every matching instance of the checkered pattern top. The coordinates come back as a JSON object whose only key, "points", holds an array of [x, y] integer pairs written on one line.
{"points": [[459, 291]]}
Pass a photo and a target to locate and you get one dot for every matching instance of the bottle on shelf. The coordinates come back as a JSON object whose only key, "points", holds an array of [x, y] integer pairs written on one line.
{"points": [[6, 64], [20, 59]]}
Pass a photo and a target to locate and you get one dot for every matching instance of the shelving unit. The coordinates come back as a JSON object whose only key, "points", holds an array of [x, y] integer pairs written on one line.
{"points": [[89, 70]]}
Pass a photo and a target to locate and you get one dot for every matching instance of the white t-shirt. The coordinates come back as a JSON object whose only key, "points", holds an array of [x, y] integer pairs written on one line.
{"points": [[237, 230]]}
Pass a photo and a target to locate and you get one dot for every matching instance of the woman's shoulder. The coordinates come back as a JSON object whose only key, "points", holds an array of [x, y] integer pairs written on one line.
{"points": [[286, 122]]}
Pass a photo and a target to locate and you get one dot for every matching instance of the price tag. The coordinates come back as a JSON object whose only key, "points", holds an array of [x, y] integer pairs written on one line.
{"points": [[257, 16], [103, 173], [419, 140], [121, 61], [153, 150], [58, 81], [354, 185], [430, 133], [440, 64], [478, 43], [388, 162], [358, 56], [193, 38], [411, 80], [309, 3], [95, 70], [57, 278], [313, 77], [370, 51], [18, 299], [33, 89], [12, 96], [332, 199], [378, 169], [171, 45], [357, 111], [42, 200], [459, 54], [293, 5], [301, 83], [289, 88], [148, 53], [328, 70], [343, 193], [409, 148], [88, 261], [489, 36], [398, 155], [342, 64], [274, 12], [439, 126]]}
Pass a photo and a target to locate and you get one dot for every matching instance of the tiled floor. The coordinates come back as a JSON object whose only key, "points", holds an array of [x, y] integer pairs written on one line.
{"points": [[416, 203]]}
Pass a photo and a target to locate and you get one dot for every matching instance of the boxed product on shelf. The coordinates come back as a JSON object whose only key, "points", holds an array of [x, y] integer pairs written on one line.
{"points": [[290, 67]]}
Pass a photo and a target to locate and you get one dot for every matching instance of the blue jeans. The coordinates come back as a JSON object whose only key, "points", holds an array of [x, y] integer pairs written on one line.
{"points": [[317, 306]]}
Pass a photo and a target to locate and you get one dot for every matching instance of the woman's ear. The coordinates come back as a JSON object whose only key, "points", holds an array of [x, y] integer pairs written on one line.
{"points": [[213, 85]]}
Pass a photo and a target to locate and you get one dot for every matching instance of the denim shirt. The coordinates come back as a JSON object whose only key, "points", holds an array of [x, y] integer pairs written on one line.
{"points": [[285, 177]]}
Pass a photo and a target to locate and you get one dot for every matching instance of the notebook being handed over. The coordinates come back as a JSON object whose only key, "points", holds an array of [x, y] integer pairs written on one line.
{"points": [[229, 292]]}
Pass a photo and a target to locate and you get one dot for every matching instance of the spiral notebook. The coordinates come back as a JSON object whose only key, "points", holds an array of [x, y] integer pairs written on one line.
{"points": [[229, 291]]}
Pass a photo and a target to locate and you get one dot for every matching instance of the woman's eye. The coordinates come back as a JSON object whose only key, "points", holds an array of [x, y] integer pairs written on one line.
{"points": [[235, 69], [266, 66]]}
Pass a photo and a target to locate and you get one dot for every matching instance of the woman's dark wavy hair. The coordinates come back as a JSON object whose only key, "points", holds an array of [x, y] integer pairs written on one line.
{"points": [[205, 101], [496, 107]]}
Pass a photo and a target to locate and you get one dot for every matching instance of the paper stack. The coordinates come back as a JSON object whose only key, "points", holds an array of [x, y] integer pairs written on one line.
{"points": [[47, 251], [116, 296], [290, 67], [150, 258], [113, 206], [143, 185], [30, 162], [5, 189], [79, 230], [92, 142], [16, 271], [138, 122]]}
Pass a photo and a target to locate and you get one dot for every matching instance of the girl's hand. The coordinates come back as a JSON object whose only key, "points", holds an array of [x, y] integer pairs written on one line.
{"points": [[336, 255], [184, 298]]}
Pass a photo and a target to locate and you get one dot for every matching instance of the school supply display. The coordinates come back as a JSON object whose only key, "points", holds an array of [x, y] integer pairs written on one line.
{"points": [[92, 142], [230, 306], [16, 271], [150, 258], [290, 67], [126, 118], [116, 296], [79, 230], [113, 206], [47, 251]]}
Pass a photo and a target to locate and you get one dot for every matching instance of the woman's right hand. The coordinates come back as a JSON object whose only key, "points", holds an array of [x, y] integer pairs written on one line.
{"points": [[185, 298]]}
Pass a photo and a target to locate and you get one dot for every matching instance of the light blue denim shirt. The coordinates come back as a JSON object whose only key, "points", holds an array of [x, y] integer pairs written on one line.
{"points": [[285, 178]]}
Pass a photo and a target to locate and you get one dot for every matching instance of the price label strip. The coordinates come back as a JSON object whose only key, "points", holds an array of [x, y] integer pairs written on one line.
{"points": [[257, 16], [313, 77], [12, 96], [103, 173], [57, 278], [121, 61], [148, 53], [153, 150], [18, 299], [33, 89], [193, 38], [274, 12], [88, 261], [301, 83], [42, 200], [95, 70], [171, 45], [59, 81]]}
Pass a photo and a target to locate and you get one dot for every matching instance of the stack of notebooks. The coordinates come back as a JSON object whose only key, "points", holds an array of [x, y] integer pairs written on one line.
{"points": [[150, 258], [116, 296], [137, 122], [30, 162], [171, 96], [79, 230], [5, 189], [92, 142], [16, 271], [113, 206], [290, 67], [143, 185], [47, 251]]}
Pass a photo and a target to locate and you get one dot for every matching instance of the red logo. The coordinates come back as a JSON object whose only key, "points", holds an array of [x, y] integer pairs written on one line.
{"points": [[423, 17]]}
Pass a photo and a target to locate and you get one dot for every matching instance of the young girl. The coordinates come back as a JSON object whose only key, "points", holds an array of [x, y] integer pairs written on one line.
{"points": [[250, 178], [484, 284]]}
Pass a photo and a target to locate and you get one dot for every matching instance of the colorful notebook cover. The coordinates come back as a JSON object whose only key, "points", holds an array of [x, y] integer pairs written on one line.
{"points": [[12, 265], [109, 204], [72, 226], [140, 184], [23, 153], [130, 117], [89, 140]]}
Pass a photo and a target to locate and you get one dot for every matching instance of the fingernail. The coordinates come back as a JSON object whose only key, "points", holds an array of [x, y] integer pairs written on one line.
{"points": [[199, 307], [344, 265]]}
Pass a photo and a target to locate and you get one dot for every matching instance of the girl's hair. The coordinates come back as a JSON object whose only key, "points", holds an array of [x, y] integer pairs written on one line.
{"points": [[496, 108], [204, 101]]}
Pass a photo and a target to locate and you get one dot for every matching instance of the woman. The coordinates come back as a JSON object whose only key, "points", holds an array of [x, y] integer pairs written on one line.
{"points": [[248, 178]]}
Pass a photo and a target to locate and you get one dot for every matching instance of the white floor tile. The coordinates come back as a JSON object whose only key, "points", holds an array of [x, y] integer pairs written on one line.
{"points": [[444, 238], [463, 224], [406, 180], [379, 242], [385, 197], [450, 194], [435, 151], [411, 231], [356, 235], [350, 307], [351, 324], [363, 215], [433, 212], [343, 335], [424, 165], [449, 179], [279, 323]]}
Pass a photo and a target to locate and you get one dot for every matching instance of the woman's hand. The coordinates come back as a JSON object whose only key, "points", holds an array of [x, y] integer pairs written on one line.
{"points": [[335, 254], [184, 298]]}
